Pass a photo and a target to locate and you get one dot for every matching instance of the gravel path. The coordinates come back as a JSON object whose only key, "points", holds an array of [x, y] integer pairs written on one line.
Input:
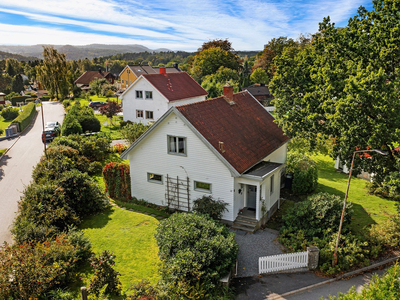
{"points": [[252, 246]]}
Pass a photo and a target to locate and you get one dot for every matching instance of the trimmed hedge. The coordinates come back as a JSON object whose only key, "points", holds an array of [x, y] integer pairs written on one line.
{"points": [[45, 98], [14, 100], [25, 118]]}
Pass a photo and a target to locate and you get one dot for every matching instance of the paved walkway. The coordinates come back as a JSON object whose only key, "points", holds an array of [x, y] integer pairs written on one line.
{"points": [[253, 246]]}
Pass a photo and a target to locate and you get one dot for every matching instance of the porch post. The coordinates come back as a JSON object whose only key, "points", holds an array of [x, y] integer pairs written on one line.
{"points": [[258, 201]]}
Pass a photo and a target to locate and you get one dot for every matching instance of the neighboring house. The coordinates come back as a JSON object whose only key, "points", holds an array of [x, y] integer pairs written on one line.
{"points": [[131, 72], [86, 78], [2, 98], [261, 92], [341, 166], [151, 95], [228, 147]]}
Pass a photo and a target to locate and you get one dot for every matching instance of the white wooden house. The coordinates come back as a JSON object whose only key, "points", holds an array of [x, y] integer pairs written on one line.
{"points": [[151, 95], [228, 147]]}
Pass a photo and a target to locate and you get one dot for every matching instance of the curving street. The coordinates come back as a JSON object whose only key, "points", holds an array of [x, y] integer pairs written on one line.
{"points": [[17, 165]]}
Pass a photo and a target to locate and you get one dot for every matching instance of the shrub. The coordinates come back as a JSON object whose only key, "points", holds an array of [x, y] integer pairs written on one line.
{"points": [[1, 107], [29, 270], [209, 206], [95, 167], [25, 118], [66, 103], [81, 243], [1, 132], [104, 275], [193, 249], [131, 132], [305, 174], [10, 113], [144, 290], [71, 126], [89, 123], [16, 99], [313, 216], [387, 234], [119, 148], [117, 179]]}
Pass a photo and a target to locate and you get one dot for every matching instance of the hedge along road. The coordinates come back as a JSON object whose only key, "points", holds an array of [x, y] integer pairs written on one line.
{"points": [[17, 165]]}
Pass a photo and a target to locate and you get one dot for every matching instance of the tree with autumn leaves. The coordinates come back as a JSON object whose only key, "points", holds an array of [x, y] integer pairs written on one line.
{"points": [[345, 85]]}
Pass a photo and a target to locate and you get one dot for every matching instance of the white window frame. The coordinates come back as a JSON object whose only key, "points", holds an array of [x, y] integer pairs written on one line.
{"points": [[149, 179], [152, 113], [137, 113], [176, 142], [150, 93], [137, 92], [201, 189]]}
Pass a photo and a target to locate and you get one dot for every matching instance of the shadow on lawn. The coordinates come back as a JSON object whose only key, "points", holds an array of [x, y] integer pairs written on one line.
{"points": [[99, 220], [328, 189]]}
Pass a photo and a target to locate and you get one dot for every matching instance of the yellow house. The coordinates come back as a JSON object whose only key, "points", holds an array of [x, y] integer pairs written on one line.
{"points": [[131, 72]]}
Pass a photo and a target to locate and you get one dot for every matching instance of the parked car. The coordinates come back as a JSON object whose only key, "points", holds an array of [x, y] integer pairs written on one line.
{"points": [[97, 104], [49, 134], [52, 125]]}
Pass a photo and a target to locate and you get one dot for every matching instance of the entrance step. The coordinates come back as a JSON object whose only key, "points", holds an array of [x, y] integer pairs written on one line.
{"points": [[245, 223]]}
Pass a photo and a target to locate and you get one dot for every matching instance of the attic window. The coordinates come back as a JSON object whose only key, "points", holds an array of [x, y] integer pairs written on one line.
{"points": [[177, 145], [139, 94]]}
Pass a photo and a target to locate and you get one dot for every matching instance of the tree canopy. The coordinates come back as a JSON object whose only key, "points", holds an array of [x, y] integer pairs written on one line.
{"points": [[345, 85]]}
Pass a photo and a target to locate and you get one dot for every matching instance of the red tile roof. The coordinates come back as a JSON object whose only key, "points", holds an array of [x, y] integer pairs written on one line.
{"points": [[245, 128], [89, 76], [176, 86]]}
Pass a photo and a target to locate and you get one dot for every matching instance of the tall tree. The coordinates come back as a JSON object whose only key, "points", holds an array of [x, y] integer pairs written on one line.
{"points": [[346, 85], [214, 83], [53, 72], [17, 84]]}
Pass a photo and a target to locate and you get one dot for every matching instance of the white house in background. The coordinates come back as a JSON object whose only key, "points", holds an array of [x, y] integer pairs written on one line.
{"points": [[151, 95], [228, 147], [341, 166]]}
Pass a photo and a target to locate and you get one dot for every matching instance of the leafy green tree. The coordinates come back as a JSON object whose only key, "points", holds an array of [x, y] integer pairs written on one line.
{"points": [[345, 85], [5, 82], [97, 84], [214, 83], [17, 84], [53, 72], [131, 132], [259, 76], [12, 67]]}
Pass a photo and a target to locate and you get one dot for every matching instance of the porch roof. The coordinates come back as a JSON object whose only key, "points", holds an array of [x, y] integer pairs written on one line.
{"points": [[262, 169]]}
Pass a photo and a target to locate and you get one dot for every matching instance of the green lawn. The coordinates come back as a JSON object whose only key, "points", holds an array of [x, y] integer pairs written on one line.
{"points": [[130, 236], [4, 124], [2, 151], [368, 209]]}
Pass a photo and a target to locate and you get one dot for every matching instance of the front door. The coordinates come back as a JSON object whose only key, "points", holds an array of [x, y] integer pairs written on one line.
{"points": [[251, 196]]}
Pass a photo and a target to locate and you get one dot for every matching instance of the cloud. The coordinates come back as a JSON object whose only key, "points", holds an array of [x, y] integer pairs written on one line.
{"points": [[175, 24]]}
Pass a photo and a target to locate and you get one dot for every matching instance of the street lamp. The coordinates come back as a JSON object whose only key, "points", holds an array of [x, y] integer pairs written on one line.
{"points": [[345, 199]]}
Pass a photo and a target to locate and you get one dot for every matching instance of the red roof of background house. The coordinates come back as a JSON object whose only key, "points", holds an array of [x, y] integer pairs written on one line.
{"points": [[89, 76], [247, 130], [176, 86]]}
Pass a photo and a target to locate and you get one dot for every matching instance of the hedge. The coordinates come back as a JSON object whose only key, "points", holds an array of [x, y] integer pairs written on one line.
{"points": [[14, 100], [45, 98], [25, 118]]}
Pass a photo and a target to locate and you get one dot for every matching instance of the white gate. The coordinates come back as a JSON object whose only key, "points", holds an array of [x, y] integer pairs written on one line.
{"points": [[282, 262]]}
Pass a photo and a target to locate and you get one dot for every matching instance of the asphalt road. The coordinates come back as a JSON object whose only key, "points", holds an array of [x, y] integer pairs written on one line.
{"points": [[17, 165]]}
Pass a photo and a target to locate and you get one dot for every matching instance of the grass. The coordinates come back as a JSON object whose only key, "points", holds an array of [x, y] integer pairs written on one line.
{"points": [[130, 236], [2, 151]]}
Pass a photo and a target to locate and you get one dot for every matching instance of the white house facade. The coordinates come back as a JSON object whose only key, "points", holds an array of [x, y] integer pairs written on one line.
{"points": [[151, 95], [179, 160]]}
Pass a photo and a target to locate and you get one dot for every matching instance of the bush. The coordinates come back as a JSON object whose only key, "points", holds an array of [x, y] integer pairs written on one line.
{"points": [[131, 132], [71, 126], [313, 216], [66, 103], [119, 148], [1, 107], [89, 123], [10, 113], [1, 132], [117, 179], [104, 275], [209, 206], [45, 98], [16, 99], [29, 270], [194, 249], [25, 118], [305, 174], [386, 235]]}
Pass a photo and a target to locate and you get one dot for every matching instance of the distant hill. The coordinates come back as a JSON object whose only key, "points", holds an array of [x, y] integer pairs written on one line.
{"points": [[5, 55], [78, 52]]}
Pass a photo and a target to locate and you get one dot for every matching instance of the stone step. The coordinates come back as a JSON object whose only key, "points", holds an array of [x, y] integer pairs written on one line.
{"points": [[246, 219], [243, 228], [244, 223]]}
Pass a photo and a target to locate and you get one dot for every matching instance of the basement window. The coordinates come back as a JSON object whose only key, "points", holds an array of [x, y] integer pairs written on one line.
{"points": [[155, 178], [202, 187]]}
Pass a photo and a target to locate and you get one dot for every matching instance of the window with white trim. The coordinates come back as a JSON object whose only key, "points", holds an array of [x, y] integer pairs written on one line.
{"points": [[176, 145], [202, 186], [139, 94], [149, 94], [156, 178], [149, 115], [272, 185], [139, 113]]}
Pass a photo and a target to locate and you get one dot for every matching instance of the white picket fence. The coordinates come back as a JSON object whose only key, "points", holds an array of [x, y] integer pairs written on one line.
{"points": [[281, 262]]}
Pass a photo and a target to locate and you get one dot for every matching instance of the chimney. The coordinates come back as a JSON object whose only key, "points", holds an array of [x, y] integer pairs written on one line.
{"points": [[262, 84], [175, 65], [228, 93], [100, 71], [163, 70]]}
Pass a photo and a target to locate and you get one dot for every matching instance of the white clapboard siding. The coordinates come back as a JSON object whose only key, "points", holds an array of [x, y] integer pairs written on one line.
{"points": [[282, 262], [269, 108]]}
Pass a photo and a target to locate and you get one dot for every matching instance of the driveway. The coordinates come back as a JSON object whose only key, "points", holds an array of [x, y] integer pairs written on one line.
{"points": [[253, 246]]}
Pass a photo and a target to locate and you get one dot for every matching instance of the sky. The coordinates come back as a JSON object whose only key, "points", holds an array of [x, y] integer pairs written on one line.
{"points": [[172, 24]]}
